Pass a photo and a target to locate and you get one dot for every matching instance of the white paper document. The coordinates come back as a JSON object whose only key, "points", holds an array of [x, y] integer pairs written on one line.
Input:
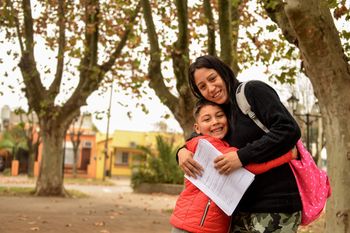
{"points": [[225, 190]]}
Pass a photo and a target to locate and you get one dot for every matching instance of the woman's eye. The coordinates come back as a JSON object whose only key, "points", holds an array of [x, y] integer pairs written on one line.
{"points": [[212, 78], [201, 87]]}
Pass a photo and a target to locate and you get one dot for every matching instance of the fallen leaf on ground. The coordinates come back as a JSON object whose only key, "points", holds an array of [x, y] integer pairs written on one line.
{"points": [[100, 224]]}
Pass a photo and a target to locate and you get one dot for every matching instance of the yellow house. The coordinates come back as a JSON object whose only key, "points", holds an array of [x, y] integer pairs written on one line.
{"points": [[122, 150]]}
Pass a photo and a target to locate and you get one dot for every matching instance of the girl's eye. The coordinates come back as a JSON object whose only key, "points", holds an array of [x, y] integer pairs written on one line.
{"points": [[206, 119], [220, 114]]}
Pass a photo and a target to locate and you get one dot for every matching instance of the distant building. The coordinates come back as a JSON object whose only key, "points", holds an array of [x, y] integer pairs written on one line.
{"points": [[86, 166], [123, 150], [122, 147], [8, 118]]}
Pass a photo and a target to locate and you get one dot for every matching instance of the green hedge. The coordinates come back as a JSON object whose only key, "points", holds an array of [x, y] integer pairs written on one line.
{"points": [[159, 167]]}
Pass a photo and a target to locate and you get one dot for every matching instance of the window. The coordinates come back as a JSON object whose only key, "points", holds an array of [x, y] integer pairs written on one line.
{"points": [[69, 153], [87, 144], [122, 158], [132, 144], [69, 156]]}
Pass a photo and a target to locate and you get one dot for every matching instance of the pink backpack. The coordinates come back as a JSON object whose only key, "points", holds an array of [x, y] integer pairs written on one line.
{"points": [[313, 183]]}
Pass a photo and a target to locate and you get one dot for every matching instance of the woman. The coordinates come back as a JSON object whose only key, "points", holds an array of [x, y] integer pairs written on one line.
{"points": [[272, 203]]}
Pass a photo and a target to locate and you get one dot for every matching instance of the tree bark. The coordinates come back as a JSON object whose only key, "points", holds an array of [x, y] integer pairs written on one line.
{"points": [[225, 30], [50, 182], [182, 105], [210, 27], [54, 119], [235, 22], [327, 67]]}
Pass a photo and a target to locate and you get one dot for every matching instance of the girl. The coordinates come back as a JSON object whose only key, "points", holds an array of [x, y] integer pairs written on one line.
{"points": [[194, 211]]}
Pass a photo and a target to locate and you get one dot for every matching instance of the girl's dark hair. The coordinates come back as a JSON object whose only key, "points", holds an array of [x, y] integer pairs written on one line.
{"points": [[212, 62], [200, 104]]}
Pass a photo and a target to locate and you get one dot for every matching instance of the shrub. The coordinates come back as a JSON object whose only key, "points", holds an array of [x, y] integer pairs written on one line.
{"points": [[158, 167]]}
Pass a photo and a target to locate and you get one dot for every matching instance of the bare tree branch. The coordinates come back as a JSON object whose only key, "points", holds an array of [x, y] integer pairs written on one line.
{"points": [[180, 53], [235, 18], [275, 10], [91, 34], [34, 89], [225, 31], [91, 74], [28, 26], [154, 70], [108, 64], [18, 30], [55, 85], [210, 27]]}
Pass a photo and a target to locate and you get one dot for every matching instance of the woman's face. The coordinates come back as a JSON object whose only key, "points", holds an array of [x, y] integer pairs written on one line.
{"points": [[211, 121], [211, 85]]}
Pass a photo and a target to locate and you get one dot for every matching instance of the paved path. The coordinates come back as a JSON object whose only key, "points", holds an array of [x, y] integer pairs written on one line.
{"points": [[121, 185], [110, 209]]}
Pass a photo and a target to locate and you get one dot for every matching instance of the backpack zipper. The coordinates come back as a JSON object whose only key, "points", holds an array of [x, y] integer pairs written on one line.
{"points": [[205, 213]]}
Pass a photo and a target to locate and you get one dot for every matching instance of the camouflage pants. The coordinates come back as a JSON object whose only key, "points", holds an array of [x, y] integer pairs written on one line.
{"points": [[177, 230], [265, 222]]}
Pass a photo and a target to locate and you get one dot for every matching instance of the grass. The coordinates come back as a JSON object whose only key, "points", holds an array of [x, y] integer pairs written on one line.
{"points": [[87, 181], [28, 192], [79, 181], [16, 191], [168, 210]]}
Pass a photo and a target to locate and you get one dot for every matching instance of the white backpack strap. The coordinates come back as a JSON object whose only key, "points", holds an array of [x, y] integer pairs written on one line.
{"points": [[245, 106]]}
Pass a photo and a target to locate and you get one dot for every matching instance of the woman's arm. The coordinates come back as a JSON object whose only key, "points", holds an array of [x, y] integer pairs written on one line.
{"points": [[259, 168], [229, 162], [255, 145]]}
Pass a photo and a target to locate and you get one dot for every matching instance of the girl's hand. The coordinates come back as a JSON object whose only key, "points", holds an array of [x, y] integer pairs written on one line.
{"points": [[188, 164], [295, 153], [227, 163]]}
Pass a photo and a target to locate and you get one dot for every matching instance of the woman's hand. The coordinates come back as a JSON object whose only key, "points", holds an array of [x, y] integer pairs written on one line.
{"points": [[227, 163], [188, 164]]}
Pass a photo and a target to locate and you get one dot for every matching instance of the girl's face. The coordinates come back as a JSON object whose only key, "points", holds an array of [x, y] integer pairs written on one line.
{"points": [[211, 85], [211, 121]]}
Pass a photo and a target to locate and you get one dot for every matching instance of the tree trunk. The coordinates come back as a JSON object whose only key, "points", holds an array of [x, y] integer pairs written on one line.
{"points": [[31, 161], [75, 161], [338, 164], [54, 118], [50, 180], [320, 140], [329, 72]]}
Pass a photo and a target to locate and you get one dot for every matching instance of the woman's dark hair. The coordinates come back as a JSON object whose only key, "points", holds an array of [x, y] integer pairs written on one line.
{"points": [[212, 62]]}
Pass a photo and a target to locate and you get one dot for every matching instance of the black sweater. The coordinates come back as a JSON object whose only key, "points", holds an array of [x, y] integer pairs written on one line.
{"points": [[275, 190]]}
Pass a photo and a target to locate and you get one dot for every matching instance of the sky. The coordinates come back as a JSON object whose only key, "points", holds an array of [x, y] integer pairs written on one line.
{"points": [[122, 102]]}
